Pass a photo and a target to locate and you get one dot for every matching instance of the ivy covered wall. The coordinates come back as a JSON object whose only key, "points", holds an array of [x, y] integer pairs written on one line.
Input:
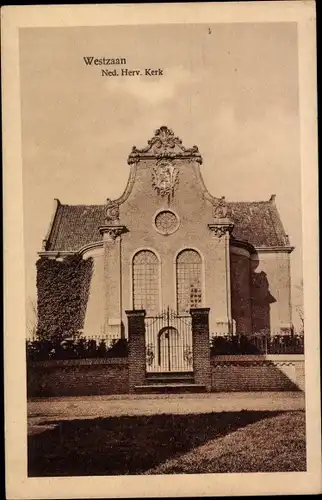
{"points": [[62, 290]]}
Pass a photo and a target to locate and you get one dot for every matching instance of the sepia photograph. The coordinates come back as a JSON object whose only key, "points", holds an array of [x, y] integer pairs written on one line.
{"points": [[163, 250]]}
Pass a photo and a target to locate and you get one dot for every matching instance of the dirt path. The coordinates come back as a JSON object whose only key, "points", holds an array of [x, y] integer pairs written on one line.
{"points": [[70, 408]]}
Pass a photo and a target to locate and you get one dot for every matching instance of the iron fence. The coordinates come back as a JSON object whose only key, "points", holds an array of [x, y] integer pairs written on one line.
{"points": [[82, 347], [168, 345], [257, 344], [168, 342]]}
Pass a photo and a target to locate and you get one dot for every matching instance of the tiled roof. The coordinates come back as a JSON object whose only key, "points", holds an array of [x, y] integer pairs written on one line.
{"points": [[75, 226], [258, 223]]}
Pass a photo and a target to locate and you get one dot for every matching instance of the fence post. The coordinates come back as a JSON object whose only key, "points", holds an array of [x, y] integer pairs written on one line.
{"points": [[136, 357], [201, 346]]}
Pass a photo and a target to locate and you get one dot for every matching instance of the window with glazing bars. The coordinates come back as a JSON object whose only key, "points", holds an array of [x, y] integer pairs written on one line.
{"points": [[188, 277], [146, 282]]}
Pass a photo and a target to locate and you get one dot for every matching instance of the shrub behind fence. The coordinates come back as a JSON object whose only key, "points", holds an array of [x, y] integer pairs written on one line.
{"points": [[41, 350], [241, 344], [100, 347]]}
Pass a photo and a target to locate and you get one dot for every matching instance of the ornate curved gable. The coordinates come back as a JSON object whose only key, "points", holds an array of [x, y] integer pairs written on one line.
{"points": [[164, 144], [75, 226]]}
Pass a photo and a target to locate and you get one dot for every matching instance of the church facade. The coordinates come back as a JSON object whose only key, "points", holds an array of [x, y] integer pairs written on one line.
{"points": [[167, 246]]}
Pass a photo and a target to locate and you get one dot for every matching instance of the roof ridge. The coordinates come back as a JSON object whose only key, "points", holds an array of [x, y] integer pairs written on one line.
{"points": [[267, 202], [83, 205]]}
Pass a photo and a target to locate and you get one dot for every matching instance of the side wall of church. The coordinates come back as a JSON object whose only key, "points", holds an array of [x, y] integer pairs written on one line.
{"points": [[271, 292], [240, 276], [260, 292]]}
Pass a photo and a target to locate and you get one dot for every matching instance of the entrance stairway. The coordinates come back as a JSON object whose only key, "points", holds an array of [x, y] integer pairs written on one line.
{"points": [[169, 383]]}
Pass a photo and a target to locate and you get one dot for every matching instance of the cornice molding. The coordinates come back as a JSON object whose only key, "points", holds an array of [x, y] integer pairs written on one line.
{"points": [[56, 253], [275, 249], [90, 246]]}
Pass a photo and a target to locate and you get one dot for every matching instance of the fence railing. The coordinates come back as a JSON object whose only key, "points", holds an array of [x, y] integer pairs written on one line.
{"points": [[110, 347], [257, 344], [89, 347]]}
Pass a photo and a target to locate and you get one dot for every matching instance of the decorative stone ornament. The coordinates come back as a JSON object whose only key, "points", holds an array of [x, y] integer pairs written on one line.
{"points": [[112, 212], [220, 209], [222, 224], [220, 229], [165, 176], [112, 232], [164, 144]]}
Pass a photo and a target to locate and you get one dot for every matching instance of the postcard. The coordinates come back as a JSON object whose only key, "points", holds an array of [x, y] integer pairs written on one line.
{"points": [[161, 250]]}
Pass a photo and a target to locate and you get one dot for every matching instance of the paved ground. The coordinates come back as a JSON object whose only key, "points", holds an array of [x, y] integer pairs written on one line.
{"points": [[50, 410]]}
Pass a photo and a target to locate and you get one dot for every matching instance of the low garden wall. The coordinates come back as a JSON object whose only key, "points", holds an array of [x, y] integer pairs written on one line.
{"points": [[77, 377], [275, 372], [99, 376]]}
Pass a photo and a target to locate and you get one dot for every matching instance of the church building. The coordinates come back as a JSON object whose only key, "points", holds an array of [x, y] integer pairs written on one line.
{"points": [[167, 246]]}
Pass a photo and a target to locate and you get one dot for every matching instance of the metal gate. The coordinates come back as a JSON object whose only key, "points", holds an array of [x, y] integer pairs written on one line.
{"points": [[168, 342]]}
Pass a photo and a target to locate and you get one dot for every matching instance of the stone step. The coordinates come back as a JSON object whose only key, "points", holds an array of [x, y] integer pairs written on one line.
{"points": [[173, 387], [156, 375], [169, 380], [170, 377]]}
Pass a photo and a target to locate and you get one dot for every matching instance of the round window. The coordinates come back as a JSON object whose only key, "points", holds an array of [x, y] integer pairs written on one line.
{"points": [[166, 222]]}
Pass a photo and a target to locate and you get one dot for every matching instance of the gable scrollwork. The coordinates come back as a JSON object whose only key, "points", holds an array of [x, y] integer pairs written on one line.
{"points": [[220, 210], [221, 225], [112, 212], [164, 144]]}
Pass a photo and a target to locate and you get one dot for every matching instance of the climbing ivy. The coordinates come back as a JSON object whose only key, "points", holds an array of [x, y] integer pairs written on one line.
{"points": [[63, 289]]}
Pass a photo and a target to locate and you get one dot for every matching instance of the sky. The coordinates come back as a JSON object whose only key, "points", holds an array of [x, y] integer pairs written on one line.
{"points": [[231, 89]]}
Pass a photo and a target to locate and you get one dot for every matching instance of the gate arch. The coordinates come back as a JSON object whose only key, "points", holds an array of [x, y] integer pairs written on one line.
{"points": [[168, 340]]}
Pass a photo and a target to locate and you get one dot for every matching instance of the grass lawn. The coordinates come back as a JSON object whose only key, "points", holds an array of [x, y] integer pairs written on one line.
{"points": [[245, 441], [271, 445]]}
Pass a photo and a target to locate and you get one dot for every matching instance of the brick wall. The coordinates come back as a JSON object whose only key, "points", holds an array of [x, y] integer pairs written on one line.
{"points": [[201, 348], [111, 376], [257, 373], [136, 332], [81, 377]]}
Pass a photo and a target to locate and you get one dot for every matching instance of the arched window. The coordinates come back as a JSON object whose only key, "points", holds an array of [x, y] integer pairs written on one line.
{"points": [[146, 282], [188, 274]]}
